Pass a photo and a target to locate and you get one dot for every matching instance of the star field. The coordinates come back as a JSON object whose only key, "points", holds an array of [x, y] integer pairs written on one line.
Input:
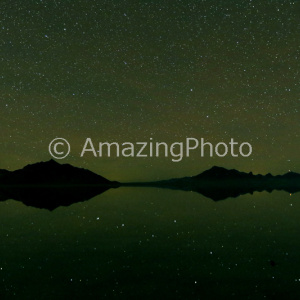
{"points": [[127, 72]]}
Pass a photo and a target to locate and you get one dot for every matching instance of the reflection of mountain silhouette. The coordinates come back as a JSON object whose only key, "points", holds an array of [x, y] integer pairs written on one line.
{"points": [[50, 184], [219, 183], [51, 197], [218, 192]]}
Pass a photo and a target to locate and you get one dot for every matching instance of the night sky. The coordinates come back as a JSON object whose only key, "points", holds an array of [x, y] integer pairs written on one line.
{"points": [[128, 71]]}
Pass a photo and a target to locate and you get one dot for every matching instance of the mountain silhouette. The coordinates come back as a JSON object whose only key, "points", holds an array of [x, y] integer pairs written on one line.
{"points": [[289, 175], [52, 173], [3, 173], [221, 173], [50, 184], [219, 183]]}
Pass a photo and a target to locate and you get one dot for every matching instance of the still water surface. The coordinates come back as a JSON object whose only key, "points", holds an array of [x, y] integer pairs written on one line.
{"points": [[148, 243]]}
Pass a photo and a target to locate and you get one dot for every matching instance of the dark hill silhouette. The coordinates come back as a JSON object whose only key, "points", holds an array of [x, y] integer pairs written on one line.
{"points": [[53, 173], [50, 184], [219, 183], [289, 175], [221, 173], [3, 173]]}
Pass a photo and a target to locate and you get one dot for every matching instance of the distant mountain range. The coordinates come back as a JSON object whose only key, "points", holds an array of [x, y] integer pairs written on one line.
{"points": [[50, 184], [53, 173], [219, 183], [222, 173]]}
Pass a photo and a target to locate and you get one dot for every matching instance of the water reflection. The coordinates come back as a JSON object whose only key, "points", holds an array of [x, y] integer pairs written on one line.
{"points": [[152, 243], [53, 197]]}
